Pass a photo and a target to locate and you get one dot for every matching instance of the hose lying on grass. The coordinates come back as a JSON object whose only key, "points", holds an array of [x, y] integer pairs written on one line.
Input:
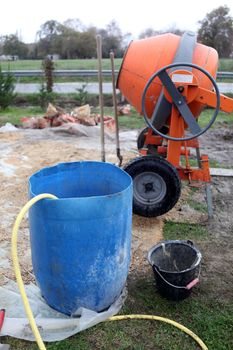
{"points": [[27, 307]]}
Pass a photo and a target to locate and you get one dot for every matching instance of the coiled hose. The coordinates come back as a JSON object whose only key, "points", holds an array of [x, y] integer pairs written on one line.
{"points": [[27, 307]]}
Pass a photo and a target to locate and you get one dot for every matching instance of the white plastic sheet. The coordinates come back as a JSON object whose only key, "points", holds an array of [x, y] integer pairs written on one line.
{"points": [[53, 325], [8, 127]]}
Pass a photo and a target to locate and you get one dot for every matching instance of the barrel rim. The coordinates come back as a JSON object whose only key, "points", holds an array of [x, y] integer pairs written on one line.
{"points": [[61, 164], [177, 241]]}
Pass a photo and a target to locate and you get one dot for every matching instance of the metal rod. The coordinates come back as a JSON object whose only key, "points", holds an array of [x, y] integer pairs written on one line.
{"points": [[101, 101], [114, 98], [198, 154], [209, 200]]}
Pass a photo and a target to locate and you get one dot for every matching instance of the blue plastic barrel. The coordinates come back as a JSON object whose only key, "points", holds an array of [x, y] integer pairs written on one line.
{"points": [[81, 242]]}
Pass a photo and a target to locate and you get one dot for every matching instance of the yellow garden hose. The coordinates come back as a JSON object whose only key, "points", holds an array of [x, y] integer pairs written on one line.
{"points": [[161, 319], [16, 266], [27, 307]]}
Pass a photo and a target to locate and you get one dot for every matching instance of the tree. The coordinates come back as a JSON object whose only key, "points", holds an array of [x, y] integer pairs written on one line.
{"points": [[69, 45], [174, 30], [148, 32], [50, 38], [1, 44], [69, 39], [75, 24], [14, 47], [86, 45], [112, 39], [72, 40], [49, 29], [152, 32], [216, 30]]}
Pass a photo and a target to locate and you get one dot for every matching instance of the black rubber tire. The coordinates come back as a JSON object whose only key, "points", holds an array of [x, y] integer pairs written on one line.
{"points": [[164, 170], [141, 138], [152, 149]]}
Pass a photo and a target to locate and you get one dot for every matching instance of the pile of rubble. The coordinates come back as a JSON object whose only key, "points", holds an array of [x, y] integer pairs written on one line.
{"points": [[56, 116]]}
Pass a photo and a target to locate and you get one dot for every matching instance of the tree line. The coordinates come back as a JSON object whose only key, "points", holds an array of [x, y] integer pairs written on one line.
{"points": [[72, 39]]}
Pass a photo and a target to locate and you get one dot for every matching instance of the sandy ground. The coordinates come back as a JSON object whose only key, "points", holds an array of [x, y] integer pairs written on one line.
{"points": [[25, 151]]}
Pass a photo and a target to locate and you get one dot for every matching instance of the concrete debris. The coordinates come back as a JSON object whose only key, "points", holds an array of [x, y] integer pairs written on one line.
{"points": [[84, 116], [123, 109], [56, 116]]}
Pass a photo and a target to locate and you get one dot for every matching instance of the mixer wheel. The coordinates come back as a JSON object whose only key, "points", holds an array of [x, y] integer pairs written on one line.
{"points": [[156, 185]]}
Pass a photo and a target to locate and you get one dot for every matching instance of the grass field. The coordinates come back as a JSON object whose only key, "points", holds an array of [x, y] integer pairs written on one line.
{"points": [[225, 64], [60, 64], [79, 64]]}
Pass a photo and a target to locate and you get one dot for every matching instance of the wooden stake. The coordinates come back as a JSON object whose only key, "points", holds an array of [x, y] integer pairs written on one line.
{"points": [[101, 101], [114, 98]]}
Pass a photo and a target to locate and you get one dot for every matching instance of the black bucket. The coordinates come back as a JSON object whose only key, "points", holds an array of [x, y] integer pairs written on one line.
{"points": [[176, 266]]}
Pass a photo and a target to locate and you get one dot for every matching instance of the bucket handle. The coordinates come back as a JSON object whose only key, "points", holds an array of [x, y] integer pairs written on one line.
{"points": [[189, 285]]}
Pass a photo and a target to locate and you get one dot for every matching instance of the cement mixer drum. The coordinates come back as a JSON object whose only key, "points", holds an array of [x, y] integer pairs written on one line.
{"points": [[145, 57]]}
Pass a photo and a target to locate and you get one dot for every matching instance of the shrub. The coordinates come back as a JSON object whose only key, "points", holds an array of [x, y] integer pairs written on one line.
{"points": [[82, 95], [7, 87], [44, 97]]}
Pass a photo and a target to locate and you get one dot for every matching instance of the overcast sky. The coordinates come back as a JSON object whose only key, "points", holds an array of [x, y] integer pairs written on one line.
{"points": [[26, 16]]}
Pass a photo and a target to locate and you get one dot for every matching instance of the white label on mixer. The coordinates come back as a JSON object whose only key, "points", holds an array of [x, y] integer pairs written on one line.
{"points": [[182, 78]]}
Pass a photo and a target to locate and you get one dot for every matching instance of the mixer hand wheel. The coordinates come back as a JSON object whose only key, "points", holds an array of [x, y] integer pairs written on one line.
{"points": [[180, 101]]}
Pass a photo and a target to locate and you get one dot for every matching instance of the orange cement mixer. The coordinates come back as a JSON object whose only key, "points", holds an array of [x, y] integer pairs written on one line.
{"points": [[170, 80]]}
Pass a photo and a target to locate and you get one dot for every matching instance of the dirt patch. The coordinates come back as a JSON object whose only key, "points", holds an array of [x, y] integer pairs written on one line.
{"points": [[24, 152], [218, 257], [146, 233], [218, 144], [217, 252]]}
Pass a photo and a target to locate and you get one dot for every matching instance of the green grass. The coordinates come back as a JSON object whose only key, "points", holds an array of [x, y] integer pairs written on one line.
{"points": [[84, 80], [14, 114], [60, 64], [79, 64], [174, 230], [213, 163], [209, 318], [221, 118], [133, 121], [202, 207], [225, 64]]}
